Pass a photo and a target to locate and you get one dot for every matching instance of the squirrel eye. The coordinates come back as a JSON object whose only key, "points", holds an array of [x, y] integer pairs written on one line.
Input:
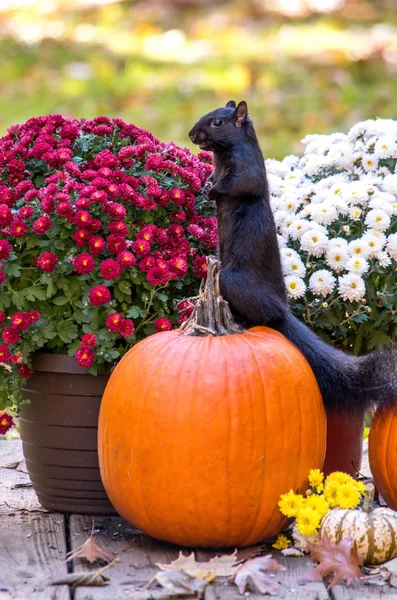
{"points": [[217, 123]]}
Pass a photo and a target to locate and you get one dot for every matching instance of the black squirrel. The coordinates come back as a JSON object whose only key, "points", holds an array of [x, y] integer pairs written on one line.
{"points": [[251, 277]]}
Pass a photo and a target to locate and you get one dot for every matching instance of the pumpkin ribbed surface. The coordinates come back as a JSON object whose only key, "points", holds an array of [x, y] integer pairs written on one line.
{"points": [[382, 450], [199, 436], [375, 532]]}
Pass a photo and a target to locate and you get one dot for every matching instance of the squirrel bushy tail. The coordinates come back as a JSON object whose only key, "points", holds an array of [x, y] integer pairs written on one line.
{"points": [[348, 383]]}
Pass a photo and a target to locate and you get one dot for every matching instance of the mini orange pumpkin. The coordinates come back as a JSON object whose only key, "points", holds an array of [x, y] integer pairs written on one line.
{"points": [[199, 436], [382, 451]]}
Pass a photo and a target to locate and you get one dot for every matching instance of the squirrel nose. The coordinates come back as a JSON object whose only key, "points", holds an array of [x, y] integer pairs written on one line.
{"points": [[192, 135]]}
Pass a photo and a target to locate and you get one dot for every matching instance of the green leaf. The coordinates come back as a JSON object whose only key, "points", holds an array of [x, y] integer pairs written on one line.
{"points": [[60, 300], [67, 331], [162, 297]]}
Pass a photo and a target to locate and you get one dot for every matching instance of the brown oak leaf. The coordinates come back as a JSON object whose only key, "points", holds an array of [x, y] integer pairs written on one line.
{"points": [[254, 576], [219, 566], [340, 561], [91, 551]]}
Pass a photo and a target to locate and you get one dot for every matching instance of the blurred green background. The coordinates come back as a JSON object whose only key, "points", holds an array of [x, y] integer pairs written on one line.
{"points": [[304, 66]]}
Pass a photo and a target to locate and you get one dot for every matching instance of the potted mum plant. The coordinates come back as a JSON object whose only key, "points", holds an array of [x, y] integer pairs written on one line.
{"points": [[102, 228], [336, 213]]}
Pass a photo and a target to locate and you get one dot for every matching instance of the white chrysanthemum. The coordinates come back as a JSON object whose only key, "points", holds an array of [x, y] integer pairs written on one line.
{"points": [[322, 282], [383, 259], [351, 287], [374, 244], [289, 253], [336, 258], [295, 176], [355, 213], [276, 168], [340, 154], [284, 229], [296, 287], [386, 147], [357, 264], [378, 219], [291, 161], [275, 204], [281, 242], [369, 162], [314, 163], [293, 266], [391, 245], [358, 248], [356, 193], [381, 202], [276, 184], [288, 203], [298, 228], [280, 216], [378, 234], [338, 242], [324, 213], [389, 184], [314, 242]]}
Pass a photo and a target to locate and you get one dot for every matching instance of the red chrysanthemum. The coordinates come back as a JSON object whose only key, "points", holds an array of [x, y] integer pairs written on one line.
{"points": [[6, 422], [2, 317], [157, 276], [2, 277], [126, 328], [141, 247], [110, 269], [5, 354], [84, 263], [99, 294], [179, 265], [82, 218], [25, 212], [162, 324], [116, 244], [89, 339], [20, 321], [81, 237], [113, 321], [18, 228], [96, 245], [42, 225], [118, 227], [5, 249], [200, 267], [34, 315], [85, 356], [24, 371], [10, 336], [17, 358], [5, 215], [126, 259], [47, 261]]}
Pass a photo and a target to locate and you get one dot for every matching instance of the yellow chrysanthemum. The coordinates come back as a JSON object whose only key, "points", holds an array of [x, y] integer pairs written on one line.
{"points": [[290, 503], [281, 543], [331, 489], [315, 477], [339, 477], [308, 521], [360, 487], [318, 503], [348, 495]]}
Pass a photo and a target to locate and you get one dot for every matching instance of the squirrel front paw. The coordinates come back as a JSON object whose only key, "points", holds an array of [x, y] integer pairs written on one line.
{"points": [[207, 188]]}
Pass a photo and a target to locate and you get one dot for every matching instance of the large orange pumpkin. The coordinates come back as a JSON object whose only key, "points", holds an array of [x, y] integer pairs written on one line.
{"points": [[199, 436], [382, 450]]}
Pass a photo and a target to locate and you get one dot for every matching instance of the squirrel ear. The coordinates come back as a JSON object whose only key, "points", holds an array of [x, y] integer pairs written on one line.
{"points": [[241, 113], [231, 104]]}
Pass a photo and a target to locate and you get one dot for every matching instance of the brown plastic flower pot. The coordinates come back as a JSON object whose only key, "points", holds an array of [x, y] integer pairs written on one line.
{"points": [[344, 444], [59, 435]]}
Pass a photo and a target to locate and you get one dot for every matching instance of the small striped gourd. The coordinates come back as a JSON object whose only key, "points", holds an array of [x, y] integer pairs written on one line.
{"points": [[373, 529]]}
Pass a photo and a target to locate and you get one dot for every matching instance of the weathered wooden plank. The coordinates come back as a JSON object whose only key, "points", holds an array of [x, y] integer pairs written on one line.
{"points": [[137, 554], [32, 543], [357, 590]]}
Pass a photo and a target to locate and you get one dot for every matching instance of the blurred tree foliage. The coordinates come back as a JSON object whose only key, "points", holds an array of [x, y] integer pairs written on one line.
{"points": [[303, 65]]}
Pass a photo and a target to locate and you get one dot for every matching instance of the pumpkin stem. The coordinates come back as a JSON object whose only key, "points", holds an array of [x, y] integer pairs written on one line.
{"points": [[368, 497], [211, 315]]}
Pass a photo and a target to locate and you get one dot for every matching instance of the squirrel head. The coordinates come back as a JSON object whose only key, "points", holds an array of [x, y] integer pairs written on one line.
{"points": [[221, 128]]}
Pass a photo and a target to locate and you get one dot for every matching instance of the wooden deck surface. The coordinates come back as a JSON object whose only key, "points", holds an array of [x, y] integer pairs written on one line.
{"points": [[34, 543]]}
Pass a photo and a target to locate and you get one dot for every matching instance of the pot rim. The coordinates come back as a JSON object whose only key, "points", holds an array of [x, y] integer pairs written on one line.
{"points": [[59, 363]]}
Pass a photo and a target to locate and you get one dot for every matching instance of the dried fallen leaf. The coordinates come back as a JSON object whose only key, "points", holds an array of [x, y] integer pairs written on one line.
{"points": [[341, 561], [292, 552], [178, 582], [219, 566], [244, 554], [80, 579], [253, 576], [91, 551]]}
